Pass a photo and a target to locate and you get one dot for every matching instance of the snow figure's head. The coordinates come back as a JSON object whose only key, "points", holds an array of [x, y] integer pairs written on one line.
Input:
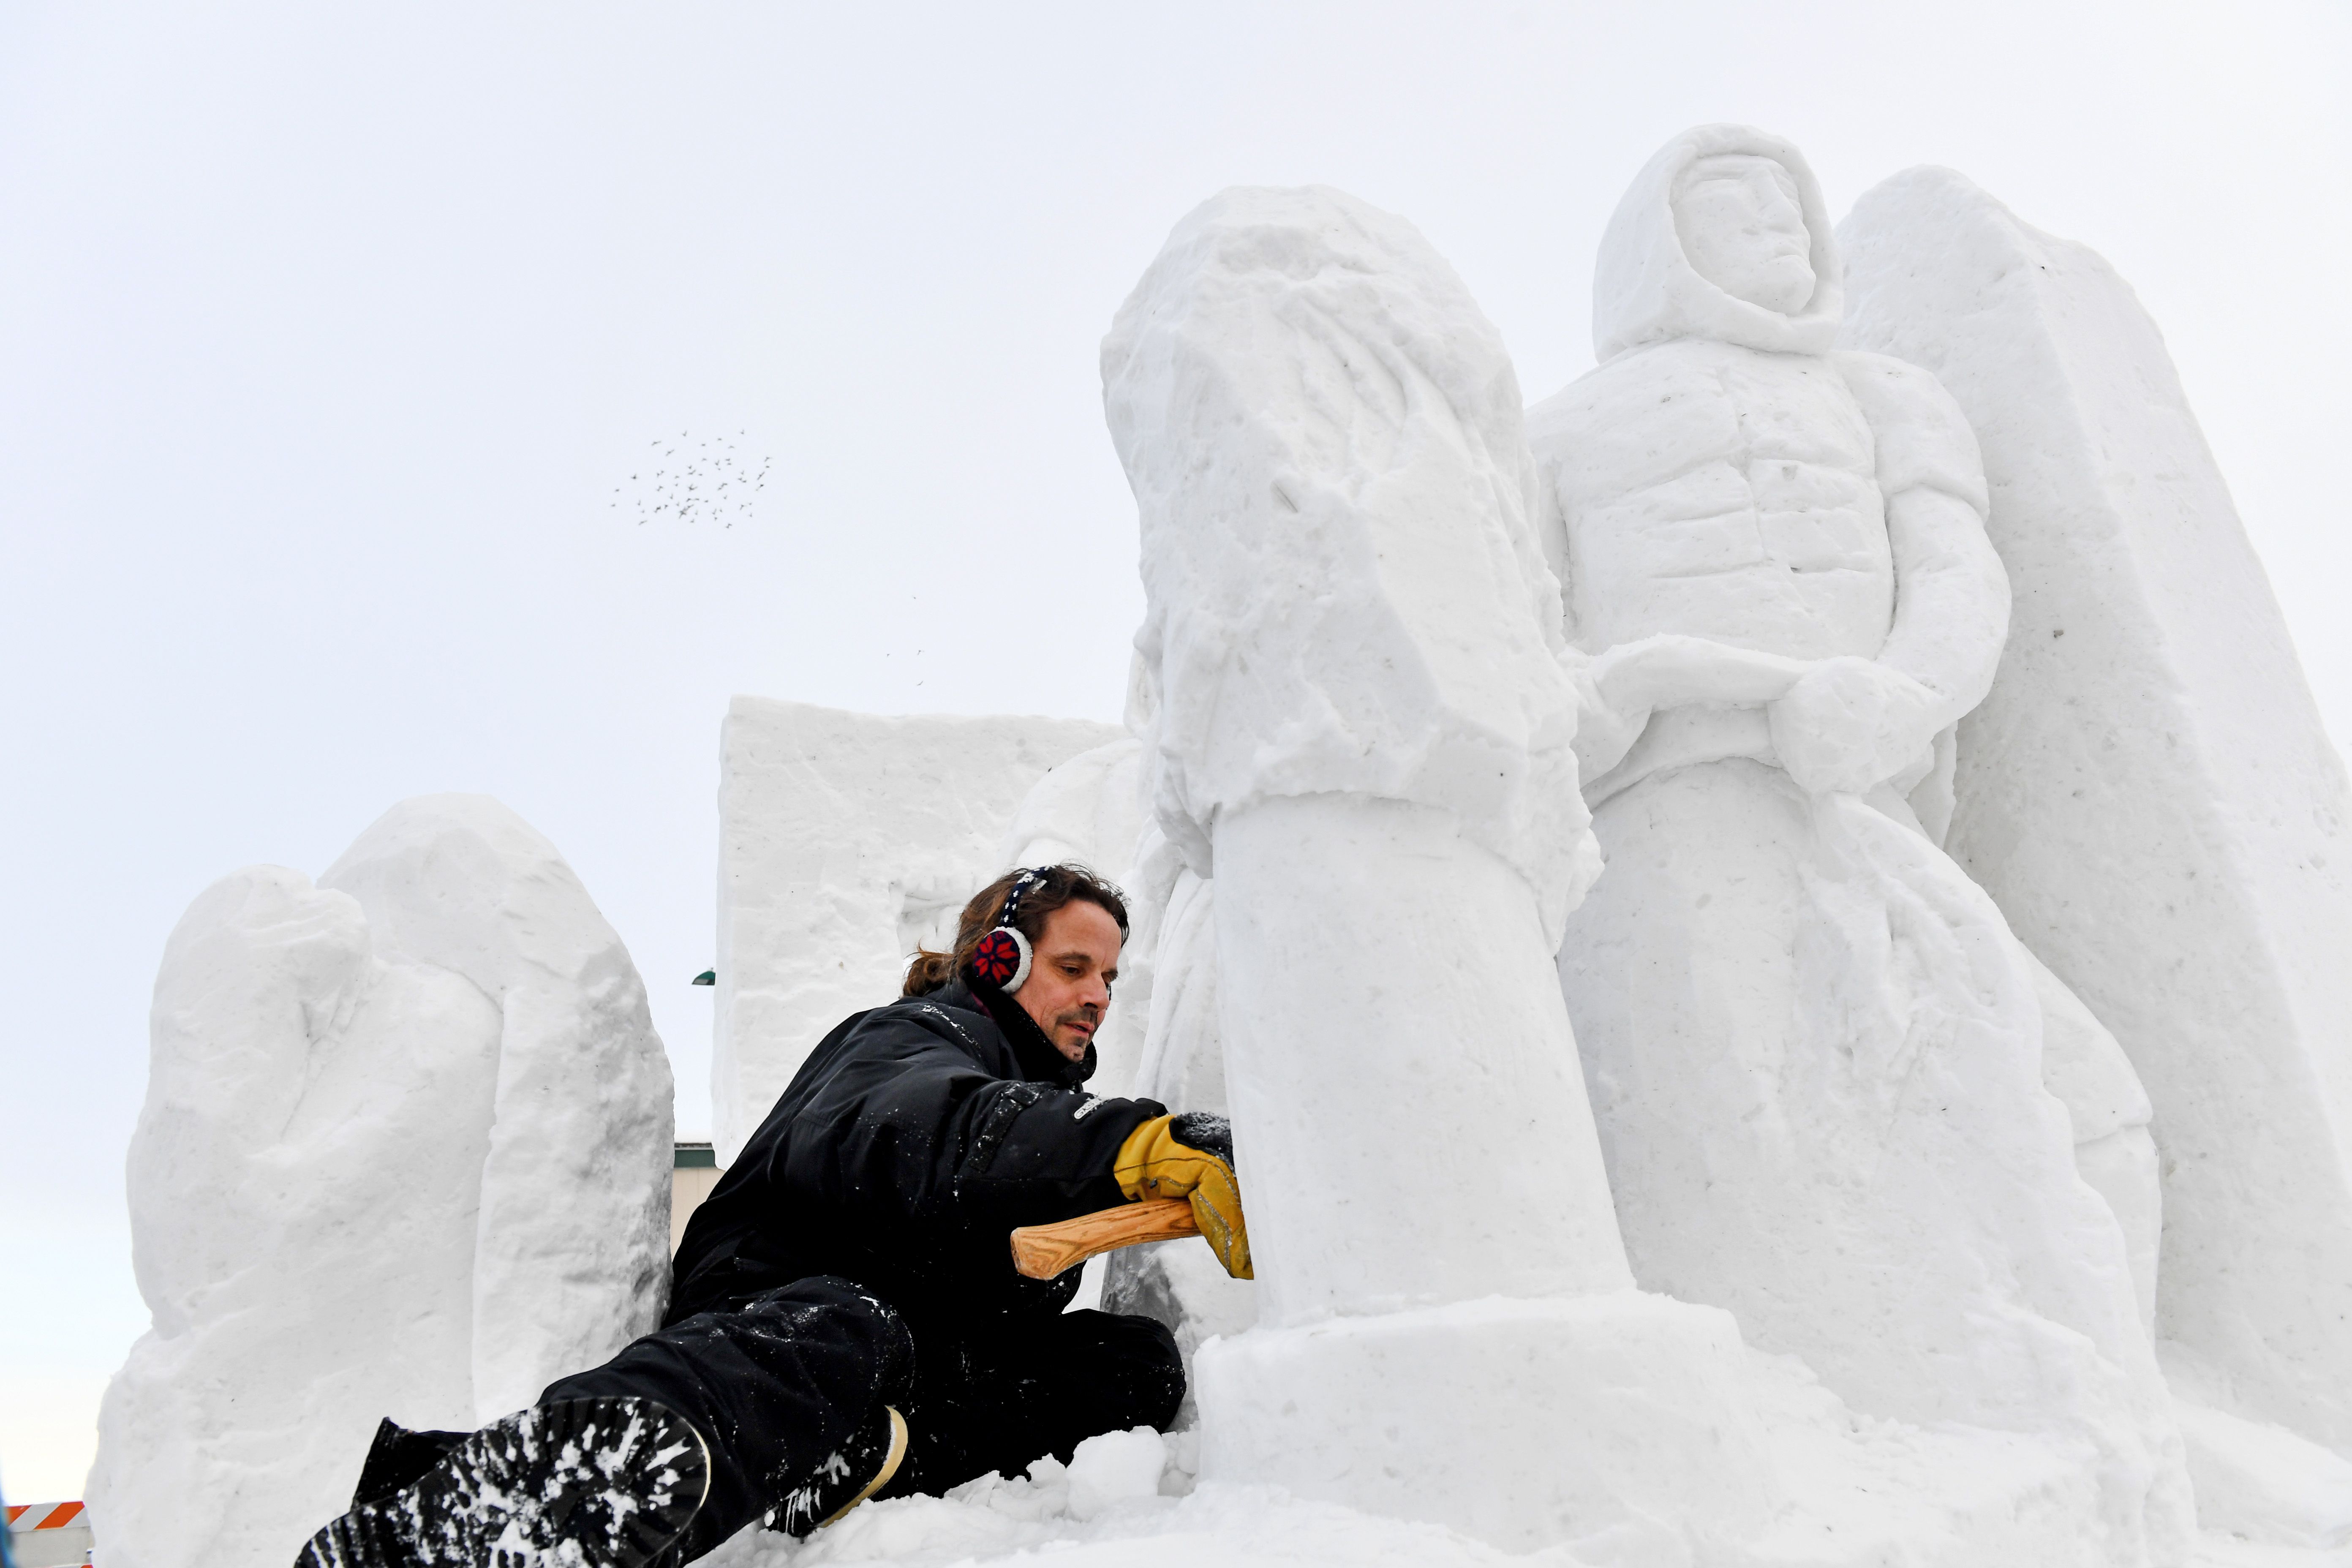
{"points": [[1741, 224], [1722, 235]]}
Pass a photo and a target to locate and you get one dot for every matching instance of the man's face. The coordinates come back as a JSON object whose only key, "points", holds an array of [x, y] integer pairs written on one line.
{"points": [[1071, 967], [1744, 230]]}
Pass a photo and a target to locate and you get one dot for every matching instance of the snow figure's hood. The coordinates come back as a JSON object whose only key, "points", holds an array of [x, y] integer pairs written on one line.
{"points": [[1645, 290]]}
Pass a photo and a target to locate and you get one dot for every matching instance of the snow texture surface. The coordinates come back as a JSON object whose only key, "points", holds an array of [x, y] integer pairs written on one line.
{"points": [[2148, 792], [1292, 425], [405, 1152]]}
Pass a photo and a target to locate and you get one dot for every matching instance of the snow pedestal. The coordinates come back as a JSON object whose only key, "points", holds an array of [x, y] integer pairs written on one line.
{"points": [[2148, 792], [405, 1152], [1360, 728], [1522, 1422]]}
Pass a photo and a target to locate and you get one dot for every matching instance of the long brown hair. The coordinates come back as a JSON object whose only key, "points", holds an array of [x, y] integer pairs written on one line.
{"points": [[1054, 886]]}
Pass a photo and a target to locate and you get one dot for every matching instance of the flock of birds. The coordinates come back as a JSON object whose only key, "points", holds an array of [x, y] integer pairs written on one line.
{"points": [[711, 482]]}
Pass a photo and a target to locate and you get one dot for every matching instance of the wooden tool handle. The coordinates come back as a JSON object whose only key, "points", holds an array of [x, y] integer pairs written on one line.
{"points": [[1041, 1251]]}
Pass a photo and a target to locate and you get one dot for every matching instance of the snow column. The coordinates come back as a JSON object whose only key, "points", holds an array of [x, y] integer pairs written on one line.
{"points": [[2147, 793], [1364, 736]]}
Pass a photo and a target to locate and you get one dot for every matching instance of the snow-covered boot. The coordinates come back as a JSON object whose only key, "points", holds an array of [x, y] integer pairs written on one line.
{"points": [[585, 1483], [398, 1456], [846, 1477]]}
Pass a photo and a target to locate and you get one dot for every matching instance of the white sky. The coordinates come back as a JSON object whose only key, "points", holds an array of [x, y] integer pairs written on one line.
{"points": [[326, 338]]}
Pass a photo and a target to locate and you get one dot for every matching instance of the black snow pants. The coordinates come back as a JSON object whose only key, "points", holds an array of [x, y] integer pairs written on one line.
{"points": [[777, 1382]]}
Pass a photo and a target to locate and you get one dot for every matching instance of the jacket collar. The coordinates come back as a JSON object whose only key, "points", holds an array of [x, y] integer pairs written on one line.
{"points": [[1039, 1061]]}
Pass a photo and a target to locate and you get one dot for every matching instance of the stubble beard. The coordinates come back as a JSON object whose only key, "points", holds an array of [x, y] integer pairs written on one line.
{"points": [[1083, 1022]]}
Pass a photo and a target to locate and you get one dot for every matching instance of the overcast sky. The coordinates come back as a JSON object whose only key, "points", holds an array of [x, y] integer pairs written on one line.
{"points": [[330, 339]]}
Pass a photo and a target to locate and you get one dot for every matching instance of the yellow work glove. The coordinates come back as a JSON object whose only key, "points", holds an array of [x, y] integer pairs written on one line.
{"points": [[1191, 1156]]}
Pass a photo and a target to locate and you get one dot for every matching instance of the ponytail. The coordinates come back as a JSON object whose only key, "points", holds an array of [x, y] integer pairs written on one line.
{"points": [[928, 972]]}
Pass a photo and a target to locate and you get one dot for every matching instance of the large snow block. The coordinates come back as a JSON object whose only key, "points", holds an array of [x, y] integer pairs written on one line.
{"points": [[846, 839], [404, 1152], [2148, 792]]}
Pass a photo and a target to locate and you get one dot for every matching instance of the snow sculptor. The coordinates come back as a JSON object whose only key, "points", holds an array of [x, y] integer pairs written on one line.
{"points": [[1813, 1046], [851, 1312], [1362, 731]]}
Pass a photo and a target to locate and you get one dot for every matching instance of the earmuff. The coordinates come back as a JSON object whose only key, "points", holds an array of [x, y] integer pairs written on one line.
{"points": [[1002, 957]]}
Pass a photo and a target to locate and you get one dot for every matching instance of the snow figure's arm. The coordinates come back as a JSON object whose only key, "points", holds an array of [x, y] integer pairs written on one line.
{"points": [[1951, 592], [1853, 723], [1620, 687]]}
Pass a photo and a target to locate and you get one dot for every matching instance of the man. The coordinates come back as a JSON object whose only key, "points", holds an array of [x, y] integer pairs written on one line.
{"points": [[844, 1320]]}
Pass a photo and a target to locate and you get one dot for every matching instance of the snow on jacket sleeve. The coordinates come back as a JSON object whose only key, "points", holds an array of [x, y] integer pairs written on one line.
{"points": [[908, 1124]]}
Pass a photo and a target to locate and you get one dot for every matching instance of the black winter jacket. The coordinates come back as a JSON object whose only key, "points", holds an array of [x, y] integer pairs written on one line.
{"points": [[908, 1147]]}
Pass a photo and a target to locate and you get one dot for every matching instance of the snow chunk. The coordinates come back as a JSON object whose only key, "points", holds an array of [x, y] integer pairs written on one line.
{"points": [[1114, 1469], [405, 1152]]}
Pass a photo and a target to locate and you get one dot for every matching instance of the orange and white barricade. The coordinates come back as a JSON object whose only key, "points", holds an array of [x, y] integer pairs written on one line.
{"points": [[49, 1534]]}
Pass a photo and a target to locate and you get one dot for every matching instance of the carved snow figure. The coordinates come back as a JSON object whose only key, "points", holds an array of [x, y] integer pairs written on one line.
{"points": [[405, 1152], [1814, 1048], [1363, 734]]}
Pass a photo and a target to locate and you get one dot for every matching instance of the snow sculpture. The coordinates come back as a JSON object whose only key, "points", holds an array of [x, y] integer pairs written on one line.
{"points": [[845, 840], [405, 1152], [1813, 1046], [1363, 733], [2147, 791]]}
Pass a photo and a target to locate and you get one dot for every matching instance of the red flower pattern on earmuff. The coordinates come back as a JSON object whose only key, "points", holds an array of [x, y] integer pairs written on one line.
{"points": [[997, 958]]}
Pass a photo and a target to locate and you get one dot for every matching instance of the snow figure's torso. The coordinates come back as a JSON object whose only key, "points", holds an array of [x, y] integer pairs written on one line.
{"points": [[1718, 491]]}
